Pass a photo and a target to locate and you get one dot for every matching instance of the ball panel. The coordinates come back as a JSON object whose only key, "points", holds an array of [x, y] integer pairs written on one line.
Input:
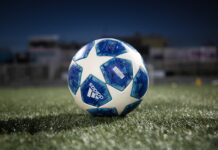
{"points": [[94, 92], [140, 84], [74, 77], [110, 48], [103, 111], [130, 107], [84, 51], [118, 73], [78, 99]]}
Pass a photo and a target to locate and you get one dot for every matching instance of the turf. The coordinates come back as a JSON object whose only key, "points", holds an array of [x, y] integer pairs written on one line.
{"points": [[170, 117]]}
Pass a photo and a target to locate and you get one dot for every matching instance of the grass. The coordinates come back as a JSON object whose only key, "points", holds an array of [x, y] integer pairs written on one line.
{"points": [[170, 117]]}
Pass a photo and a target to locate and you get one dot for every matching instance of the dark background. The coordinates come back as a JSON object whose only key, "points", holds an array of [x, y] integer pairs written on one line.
{"points": [[183, 23], [44, 34]]}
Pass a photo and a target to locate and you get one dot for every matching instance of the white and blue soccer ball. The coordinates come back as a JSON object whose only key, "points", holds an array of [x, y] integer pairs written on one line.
{"points": [[107, 77]]}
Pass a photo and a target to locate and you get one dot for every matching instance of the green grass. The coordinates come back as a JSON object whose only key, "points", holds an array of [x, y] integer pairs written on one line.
{"points": [[182, 117]]}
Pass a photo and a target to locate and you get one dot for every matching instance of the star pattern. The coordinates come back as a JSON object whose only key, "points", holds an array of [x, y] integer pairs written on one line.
{"points": [[91, 65]]}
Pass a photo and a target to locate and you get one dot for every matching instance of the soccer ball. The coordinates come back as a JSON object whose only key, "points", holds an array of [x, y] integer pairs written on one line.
{"points": [[107, 77]]}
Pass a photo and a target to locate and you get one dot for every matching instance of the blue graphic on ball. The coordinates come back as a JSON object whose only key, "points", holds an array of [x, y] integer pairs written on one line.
{"points": [[140, 84], [110, 48], [130, 107], [118, 73], [84, 51], [94, 92], [74, 78]]}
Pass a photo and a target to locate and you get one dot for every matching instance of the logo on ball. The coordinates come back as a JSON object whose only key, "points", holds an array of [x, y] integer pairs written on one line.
{"points": [[93, 92]]}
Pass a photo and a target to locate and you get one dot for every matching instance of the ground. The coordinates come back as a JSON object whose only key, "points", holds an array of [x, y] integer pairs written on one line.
{"points": [[170, 117]]}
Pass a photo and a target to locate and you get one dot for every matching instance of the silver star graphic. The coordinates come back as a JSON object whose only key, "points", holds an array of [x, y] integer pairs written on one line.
{"points": [[91, 65]]}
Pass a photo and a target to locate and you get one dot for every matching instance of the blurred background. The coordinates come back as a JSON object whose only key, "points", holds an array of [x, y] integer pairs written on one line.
{"points": [[177, 39]]}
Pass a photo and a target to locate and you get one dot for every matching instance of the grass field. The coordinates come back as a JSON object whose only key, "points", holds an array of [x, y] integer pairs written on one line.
{"points": [[182, 117]]}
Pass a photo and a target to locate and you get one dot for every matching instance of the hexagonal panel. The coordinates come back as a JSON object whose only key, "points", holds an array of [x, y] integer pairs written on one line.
{"points": [[130, 107], [103, 111], [110, 48], [140, 84], [74, 77], [94, 92], [84, 51], [117, 73]]}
